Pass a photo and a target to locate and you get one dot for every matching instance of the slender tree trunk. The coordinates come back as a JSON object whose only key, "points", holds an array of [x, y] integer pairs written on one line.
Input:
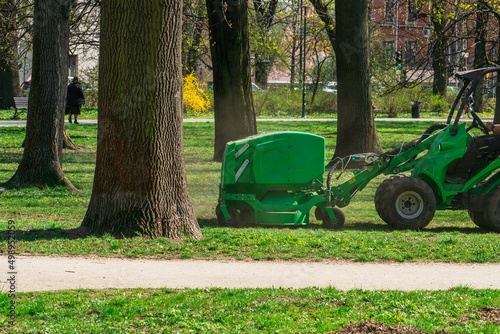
{"points": [[9, 72], [496, 119], [265, 15], [356, 127], [480, 57], [140, 183], [193, 31], [293, 60], [41, 163], [439, 44], [229, 45], [324, 14]]}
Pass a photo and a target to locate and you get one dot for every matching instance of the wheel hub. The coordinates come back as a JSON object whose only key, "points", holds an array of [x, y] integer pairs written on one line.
{"points": [[409, 205]]}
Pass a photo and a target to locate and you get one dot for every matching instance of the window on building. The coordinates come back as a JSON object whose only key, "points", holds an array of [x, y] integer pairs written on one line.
{"points": [[410, 53], [390, 11]]}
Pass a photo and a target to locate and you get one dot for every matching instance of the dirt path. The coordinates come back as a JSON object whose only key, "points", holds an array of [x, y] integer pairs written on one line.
{"points": [[47, 273]]}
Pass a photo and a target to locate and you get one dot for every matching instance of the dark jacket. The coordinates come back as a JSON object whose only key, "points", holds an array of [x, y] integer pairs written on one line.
{"points": [[75, 96]]}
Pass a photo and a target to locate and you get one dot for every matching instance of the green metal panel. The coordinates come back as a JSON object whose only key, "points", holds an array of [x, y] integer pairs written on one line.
{"points": [[289, 158], [274, 159]]}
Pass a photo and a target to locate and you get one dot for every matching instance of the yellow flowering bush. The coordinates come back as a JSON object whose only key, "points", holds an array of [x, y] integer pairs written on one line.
{"points": [[195, 98]]}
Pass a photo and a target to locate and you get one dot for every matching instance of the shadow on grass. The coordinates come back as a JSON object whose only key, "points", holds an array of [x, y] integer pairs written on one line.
{"points": [[438, 229], [81, 232], [10, 158], [361, 227], [49, 234]]}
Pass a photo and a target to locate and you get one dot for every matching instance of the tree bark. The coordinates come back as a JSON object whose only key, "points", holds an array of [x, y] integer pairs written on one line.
{"points": [[439, 44], [68, 143], [356, 131], [9, 72], [480, 57], [229, 45], [140, 183], [41, 163]]}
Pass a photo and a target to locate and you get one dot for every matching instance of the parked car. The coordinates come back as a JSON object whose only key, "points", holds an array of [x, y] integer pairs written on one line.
{"points": [[256, 88], [330, 88]]}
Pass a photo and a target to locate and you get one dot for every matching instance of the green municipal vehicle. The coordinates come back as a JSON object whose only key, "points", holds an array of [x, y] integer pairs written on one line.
{"points": [[277, 178]]}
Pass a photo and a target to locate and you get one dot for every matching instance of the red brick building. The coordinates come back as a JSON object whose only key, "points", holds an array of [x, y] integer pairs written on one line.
{"points": [[403, 26], [398, 26]]}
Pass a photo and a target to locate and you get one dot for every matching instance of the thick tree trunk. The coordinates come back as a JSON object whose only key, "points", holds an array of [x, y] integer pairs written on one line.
{"points": [[41, 163], [9, 72], [356, 127], [439, 44], [140, 183], [229, 45]]}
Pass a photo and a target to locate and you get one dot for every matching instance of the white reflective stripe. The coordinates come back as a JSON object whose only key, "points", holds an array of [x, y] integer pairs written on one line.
{"points": [[241, 150], [242, 168]]}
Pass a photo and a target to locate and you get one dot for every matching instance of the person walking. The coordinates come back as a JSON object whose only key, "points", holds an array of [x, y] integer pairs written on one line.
{"points": [[75, 99]]}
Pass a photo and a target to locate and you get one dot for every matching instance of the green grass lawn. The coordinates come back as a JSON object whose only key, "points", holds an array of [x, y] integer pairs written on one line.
{"points": [[310, 310], [42, 218]]}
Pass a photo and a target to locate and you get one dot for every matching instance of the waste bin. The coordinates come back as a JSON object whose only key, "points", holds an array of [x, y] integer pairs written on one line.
{"points": [[415, 109]]}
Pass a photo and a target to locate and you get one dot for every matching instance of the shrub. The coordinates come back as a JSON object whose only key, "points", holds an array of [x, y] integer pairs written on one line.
{"points": [[90, 85], [394, 103], [195, 98], [324, 103], [438, 104], [288, 102], [279, 102]]}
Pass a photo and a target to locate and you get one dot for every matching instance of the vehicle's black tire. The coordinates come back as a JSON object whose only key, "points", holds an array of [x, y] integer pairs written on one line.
{"points": [[405, 203], [329, 224], [235, 217], [479, 219], [489, 218], [381, 200], [318, 213]]}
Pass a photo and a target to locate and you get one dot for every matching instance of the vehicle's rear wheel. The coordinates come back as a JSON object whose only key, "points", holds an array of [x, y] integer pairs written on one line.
{"points": [[489, 218], [405, 202]]}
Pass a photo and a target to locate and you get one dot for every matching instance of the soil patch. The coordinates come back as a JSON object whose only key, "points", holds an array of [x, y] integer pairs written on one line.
{"points": [[372, 327], [487, 314]]}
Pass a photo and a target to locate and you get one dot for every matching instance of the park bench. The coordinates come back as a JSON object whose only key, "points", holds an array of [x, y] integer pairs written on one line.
{"points": [[21, 104], [1, 190]]}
